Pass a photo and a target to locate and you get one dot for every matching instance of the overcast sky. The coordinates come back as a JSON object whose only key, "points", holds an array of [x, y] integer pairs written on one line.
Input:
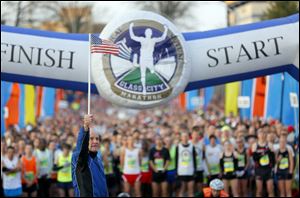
{"points": [[206, 14]]}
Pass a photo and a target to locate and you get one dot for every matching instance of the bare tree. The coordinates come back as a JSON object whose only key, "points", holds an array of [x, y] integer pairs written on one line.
{"points": [[75, 16], [174, 10], [18, 13]]}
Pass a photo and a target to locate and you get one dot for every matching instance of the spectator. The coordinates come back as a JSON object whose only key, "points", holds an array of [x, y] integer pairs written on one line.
{"points": [[11, 168]]}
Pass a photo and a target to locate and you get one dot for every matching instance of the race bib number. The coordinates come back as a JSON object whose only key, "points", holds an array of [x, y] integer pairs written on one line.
{"points": [[284, 163], [145, 165], [131, 162], [199, 162], [241, 161], [159, 164], [12, 175], [29, 175], [214, 169], [228, 167], [109, 168], [264, 160], [44, 163], [186, 159]]}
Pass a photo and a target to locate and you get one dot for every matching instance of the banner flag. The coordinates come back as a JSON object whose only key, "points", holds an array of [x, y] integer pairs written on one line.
{"points": [[30, 105], [13, 105], [246, 91], [231, 98], [274, 96], [288, 112], [6, 88], [259, 97]]}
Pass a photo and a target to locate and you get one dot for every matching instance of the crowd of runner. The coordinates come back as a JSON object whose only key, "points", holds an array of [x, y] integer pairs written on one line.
{"points": [[158, 152]]}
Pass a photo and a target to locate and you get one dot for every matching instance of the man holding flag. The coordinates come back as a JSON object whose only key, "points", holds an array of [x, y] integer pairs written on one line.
{"points": [[87, 168]]}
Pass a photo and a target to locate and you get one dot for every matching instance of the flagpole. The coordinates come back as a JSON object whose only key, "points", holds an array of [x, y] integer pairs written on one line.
{"points": [[89, 76]]}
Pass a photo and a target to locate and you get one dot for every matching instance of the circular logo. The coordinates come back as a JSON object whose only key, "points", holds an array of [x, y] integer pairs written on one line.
{"points": [[142, 61]]}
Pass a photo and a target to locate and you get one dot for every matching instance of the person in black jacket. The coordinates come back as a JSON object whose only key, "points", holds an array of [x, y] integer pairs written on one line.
{"points": [[87, 168]]}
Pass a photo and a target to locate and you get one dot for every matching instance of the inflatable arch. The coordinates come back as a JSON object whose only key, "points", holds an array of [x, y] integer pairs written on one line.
{"points": [[184, 62]]}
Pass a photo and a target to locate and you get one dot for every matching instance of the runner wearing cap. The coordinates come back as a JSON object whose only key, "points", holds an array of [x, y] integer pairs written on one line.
{"points": [[215, 189]]}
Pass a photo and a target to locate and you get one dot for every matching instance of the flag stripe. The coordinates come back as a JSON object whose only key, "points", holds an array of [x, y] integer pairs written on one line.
{"points": [[105, 51], [103, 46]]}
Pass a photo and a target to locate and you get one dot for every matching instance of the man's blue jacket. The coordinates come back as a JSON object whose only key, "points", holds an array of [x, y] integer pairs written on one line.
{"points": [[87, 170]]}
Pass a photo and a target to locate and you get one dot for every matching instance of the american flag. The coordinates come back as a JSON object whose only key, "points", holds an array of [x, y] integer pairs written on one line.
{"points": [[103, 46]]}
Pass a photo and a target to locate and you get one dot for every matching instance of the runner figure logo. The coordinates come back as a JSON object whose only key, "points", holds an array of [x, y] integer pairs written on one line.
{"points": [[149, 64], [149, 58]]}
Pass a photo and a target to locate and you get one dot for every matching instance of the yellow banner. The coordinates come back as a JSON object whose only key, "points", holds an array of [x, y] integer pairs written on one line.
{"points": [[231, 98], [29, 104]]}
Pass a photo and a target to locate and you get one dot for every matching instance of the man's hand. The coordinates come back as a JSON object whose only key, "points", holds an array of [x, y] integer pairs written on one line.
{"points": [[87, 120]]}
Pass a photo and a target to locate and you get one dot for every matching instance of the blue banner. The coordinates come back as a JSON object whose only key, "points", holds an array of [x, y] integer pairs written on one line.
{"points": [[5, 94], [22, 106], [288, 112], [48, 107], [274, 96], [191, 96], [246, 90], [208, 95]]}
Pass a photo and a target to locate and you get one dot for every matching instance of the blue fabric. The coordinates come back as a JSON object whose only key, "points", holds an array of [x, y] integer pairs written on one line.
{"points": [[5, 95], [274, 96], [96, 168], [246, 90], [48, 102], [208, 95], [288, 114], [22, 106], [13, 192], [171, 176], [190, 95]]}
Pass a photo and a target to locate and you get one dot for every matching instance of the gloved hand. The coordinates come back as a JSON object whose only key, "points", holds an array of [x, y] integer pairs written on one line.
{"points": [[240, 173]]}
